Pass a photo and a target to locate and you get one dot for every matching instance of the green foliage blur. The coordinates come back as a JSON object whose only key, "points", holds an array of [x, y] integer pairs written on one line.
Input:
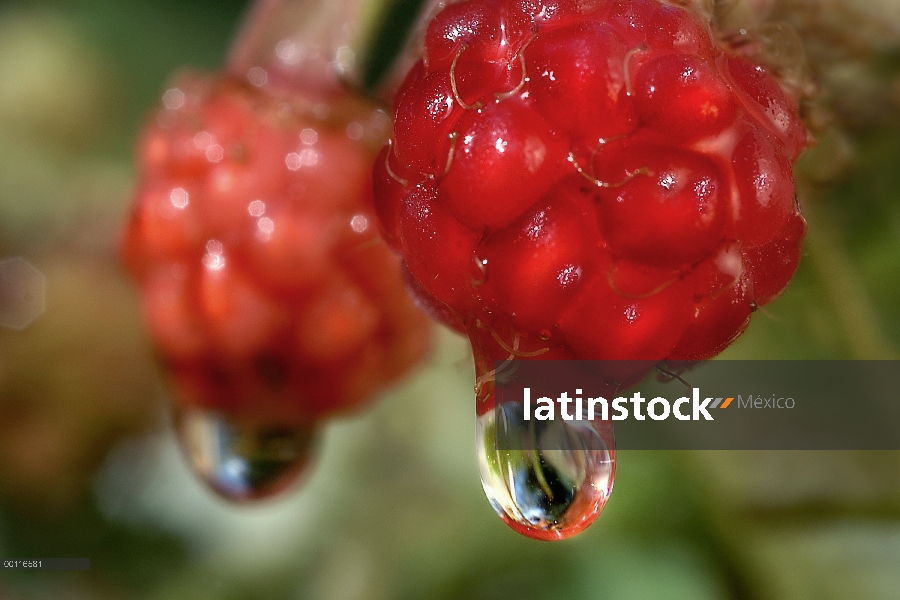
{"points": [[393, 508]]}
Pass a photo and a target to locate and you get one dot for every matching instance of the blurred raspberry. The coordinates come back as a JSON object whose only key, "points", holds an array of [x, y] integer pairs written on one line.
{"points": [[265, 287]]}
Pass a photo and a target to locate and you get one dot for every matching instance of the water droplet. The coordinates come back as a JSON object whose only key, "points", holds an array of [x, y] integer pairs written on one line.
{"points": [[548, 480], [243, 461]]}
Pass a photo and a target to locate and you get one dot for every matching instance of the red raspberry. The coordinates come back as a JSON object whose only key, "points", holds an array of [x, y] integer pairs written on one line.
{"points": [[591, 180], [594, 179], [266, 290]]}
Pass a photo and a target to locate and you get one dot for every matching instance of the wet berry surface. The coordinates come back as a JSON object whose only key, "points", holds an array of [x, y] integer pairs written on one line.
{"points": [[594, 180]]}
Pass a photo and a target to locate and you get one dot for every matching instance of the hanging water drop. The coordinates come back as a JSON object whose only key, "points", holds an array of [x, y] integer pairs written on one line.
{"points": [[548, 480], [243, 461]]}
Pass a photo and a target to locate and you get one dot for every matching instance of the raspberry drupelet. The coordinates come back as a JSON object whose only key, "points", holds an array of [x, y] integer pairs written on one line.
{"points": [[595, 180]]}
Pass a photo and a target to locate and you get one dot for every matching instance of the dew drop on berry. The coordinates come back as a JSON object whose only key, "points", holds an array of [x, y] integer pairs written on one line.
{"points": [[547, 480], [243, 461]]}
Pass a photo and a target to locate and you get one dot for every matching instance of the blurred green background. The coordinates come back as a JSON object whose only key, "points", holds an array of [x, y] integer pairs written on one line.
{"points": [[394, 507]]}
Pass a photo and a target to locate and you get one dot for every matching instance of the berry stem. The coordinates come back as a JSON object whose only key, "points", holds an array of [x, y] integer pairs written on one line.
{"points": [[391, 81], [845, 291], [311, 46]]}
